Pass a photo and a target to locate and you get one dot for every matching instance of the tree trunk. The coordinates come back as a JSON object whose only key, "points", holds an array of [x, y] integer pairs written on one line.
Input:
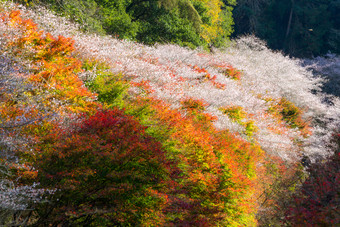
{"points": [[290, 20]]}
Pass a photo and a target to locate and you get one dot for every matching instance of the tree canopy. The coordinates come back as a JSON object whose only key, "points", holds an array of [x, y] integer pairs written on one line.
{"points": [[185, 22]]}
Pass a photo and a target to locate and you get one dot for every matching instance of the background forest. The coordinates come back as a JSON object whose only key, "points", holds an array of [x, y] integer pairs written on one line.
{"points": [[296, 27], [147, 113], [299, 28], [185, 22]]}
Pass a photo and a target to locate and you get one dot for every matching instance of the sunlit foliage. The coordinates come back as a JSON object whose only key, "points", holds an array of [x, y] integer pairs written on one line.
{"points": [[52, 64], [237, 114], [44, 86], [185, 22], [208, 162]]}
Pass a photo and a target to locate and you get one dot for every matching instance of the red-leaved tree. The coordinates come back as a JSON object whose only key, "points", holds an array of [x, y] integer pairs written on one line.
{"points": [[106, 170]]}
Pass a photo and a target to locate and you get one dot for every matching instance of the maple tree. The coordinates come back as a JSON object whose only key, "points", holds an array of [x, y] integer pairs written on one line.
{"points": [[106, 170], [53, 64], [212, 167]]}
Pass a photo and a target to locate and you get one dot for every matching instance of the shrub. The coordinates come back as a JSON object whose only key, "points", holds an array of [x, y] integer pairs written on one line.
{"points": [[111, 88], [291, 114], [237, 114]]}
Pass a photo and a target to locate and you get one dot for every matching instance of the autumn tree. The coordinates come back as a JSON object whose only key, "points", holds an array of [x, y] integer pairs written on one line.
{"points": [[106, 171], [38, 78]]}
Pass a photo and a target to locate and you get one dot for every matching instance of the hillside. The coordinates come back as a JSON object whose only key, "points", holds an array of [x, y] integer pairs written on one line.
{"points": [[99, 131]]}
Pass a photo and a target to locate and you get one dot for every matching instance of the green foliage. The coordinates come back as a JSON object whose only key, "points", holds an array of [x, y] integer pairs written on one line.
{"points": [[111, 88], [290, 114], [250, 128], [167, 26], [196, 163], [237, 114], [116, 21], [84, 12], [188, 11], [185, 22], [227, 23]]}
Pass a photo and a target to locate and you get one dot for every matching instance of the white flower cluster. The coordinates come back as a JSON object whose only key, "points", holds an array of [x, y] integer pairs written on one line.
{"points": [[14, 87], [14, 197]]}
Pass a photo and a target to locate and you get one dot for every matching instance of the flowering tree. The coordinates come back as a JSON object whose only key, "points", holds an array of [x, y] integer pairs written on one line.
{"points": [[29, 102]]}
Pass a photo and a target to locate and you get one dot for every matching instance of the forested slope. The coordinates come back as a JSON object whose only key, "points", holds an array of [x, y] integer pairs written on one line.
{"points": [[100, 131]]}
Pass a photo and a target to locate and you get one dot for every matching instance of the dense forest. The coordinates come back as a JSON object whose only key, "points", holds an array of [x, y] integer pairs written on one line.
{"points": [[147, 113], [300, 28], [185, 22]]}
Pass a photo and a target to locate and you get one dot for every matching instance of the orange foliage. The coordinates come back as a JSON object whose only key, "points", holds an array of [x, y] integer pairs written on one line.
{"points": [[144, 85], [228, 70], [53, 64], [107, 163], [233, 73], [208, 77], [217, 169], [25, 113], [216, 176]]}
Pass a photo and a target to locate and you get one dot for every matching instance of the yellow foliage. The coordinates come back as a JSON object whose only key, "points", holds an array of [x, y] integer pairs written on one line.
{"points": [[214, 29]]}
